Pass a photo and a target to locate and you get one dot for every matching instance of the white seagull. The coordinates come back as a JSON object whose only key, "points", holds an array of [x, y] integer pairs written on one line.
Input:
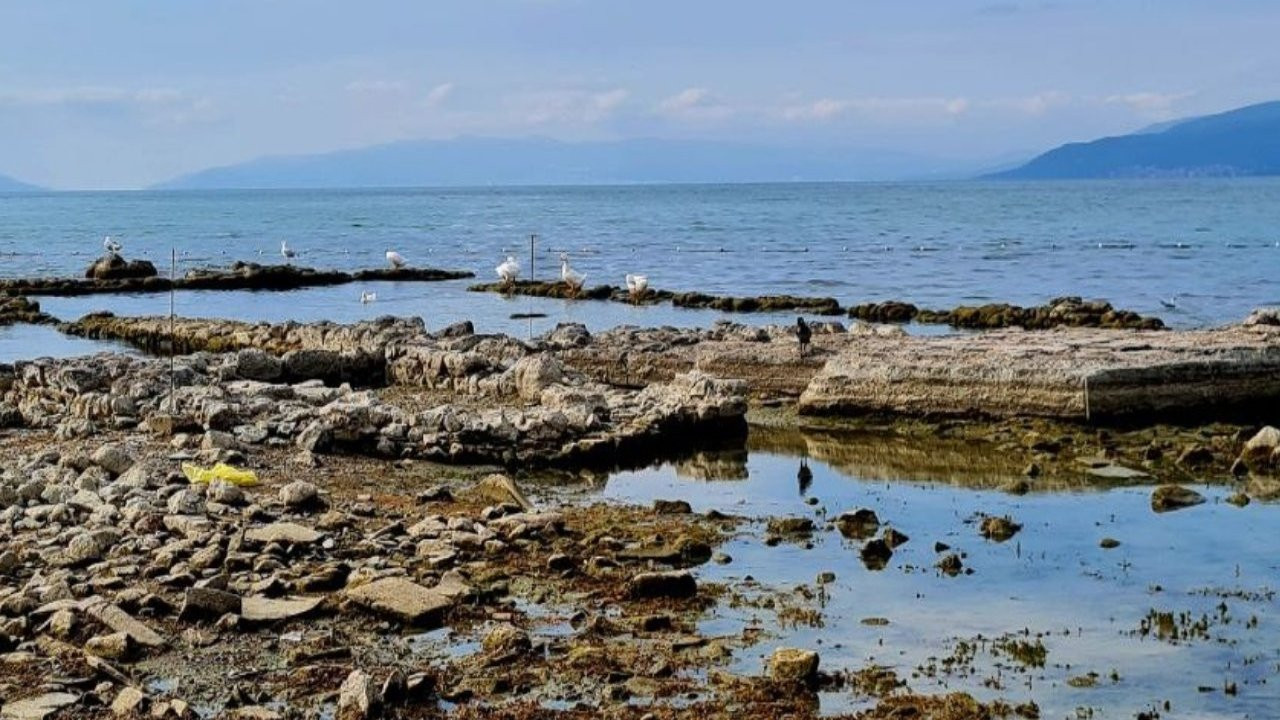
{"points": [[571, 277], [287, 252], [111, 245], [367, 297], [396, 259], [637, 285], [509, 270]]}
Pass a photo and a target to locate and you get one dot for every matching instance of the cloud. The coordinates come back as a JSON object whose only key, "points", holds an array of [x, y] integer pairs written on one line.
{"points": [[375, 87], [1151, 104], [895, 108], [577, 107], [694, 103], [438, 94], [91, 96], [1036, 104]]}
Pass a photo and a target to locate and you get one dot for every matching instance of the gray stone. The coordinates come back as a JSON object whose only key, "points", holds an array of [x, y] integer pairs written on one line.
{"points": [[121, 621], [670, 584], [129, 701], [299, 494], [38, 707], [221, 491], [404, 600], [186, 502], [793, 665], [1174, 497], [256, 364], [115, 646], [208, 604], [112, 458], [357, 697], [285, 532], [258, 608]]}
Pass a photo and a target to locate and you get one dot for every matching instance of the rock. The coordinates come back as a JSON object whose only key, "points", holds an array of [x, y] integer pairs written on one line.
{"points": [[221, 491], [256, 364], [893, 538], [87, 547], [208, 604], [1017, 487], [998, 529], [859, 524], [1108, 543], [63, 623], [1174, 497], [258, 608], [534, 373], [876, 554], [38, 707], [670, 584], [506, 639], [459, 329], [299, 494], [404, 600], [130, 701], [1239, 468], [357, 697], [1263, 316], [1238, 499], [286, 532], [186, 502], [115, 646], [121, 621], [951, 565], [793, 665], [1195, 456], [1112, 471], [311, 364], [498, 488], [790, 526], [672, 507], [1261, 450], [112, 458]]}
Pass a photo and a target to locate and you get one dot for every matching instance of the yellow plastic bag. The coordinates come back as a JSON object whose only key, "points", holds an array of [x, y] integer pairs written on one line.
{"points": [[203, 476]]}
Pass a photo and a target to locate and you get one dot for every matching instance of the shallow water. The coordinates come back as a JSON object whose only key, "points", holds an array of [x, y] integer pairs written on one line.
{"points": [[1050, 584], [1209, 246], [26, 342]]}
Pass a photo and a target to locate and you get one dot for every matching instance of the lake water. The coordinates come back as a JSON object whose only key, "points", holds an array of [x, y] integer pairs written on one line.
{"points": [[1209, 247], [1051, 586]]}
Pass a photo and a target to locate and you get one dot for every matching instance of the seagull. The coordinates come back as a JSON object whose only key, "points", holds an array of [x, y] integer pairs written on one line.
{"points": [[571, 277], [111, 245], [396, 259], [286, 251], [367, 297], [509, 270], [1169, 303], [637, 285]]}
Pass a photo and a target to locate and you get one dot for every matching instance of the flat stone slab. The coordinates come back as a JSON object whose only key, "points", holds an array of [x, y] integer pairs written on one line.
{"points": [[37, 708], [404, 600], [120, 621], [283, 532], [258, 608], [1117, 472]]}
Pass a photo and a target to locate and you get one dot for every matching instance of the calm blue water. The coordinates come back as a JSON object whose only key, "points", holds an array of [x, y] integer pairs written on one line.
{"points": [[1210, 246]]}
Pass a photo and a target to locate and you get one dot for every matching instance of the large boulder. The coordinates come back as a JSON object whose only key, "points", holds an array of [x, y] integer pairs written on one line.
{"points": [[257, 364], [114, 267]]}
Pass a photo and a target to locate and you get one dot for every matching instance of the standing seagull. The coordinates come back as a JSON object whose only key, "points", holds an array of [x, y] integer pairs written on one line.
{"points": [[572, 278], [509, 270], [111, 245], [396, 259], [286, 251], [803, 334]]}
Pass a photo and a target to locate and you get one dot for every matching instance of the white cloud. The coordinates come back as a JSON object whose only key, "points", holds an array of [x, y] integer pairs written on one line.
{"points": [[890, 108], [1151, 104], [694, 103], [90, 95], [375, 87], [438, 94], [576, 107], [1037, 104]]}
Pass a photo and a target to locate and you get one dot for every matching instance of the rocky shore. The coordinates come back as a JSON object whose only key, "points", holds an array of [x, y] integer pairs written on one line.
{"points": [[395, 551], [141, 276]]}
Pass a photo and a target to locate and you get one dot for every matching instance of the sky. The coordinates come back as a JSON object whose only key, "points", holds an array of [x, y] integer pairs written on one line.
{"points": [[122, 94]]}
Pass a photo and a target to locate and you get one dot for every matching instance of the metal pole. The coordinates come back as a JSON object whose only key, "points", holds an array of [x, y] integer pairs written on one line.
{"points": [[532, 238], [173, 276]]}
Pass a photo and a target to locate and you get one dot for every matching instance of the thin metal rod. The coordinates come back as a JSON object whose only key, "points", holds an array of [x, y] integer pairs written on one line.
{"points": [[173, 277], [532, 274]]}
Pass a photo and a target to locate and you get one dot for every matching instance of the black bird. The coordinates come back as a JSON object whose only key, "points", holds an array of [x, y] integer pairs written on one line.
{"points": [[803, 334]]}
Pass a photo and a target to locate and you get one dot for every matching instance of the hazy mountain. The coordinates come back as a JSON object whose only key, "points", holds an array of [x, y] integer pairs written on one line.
{"points": [[8, 184], [538, 161], [1240, 142]]}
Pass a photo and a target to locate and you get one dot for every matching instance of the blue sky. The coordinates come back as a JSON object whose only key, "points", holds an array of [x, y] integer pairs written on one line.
{"points": [[120, 94]]}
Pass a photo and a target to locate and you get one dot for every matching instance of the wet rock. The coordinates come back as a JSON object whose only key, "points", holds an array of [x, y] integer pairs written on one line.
{"points": [[859, 524], [1263, 316], [404, 600], [114, 267], [876, 554], [506, 639], [208, 604], [1239, 499], [115, 646], [1016, 487], [1239, 468], [1259, 451], [793, 665], [299, 495], [998, 529], [894, 538], [1195, 457], [1032, 470], [672, 507], [1174, 497], [951, 565], [670, 584], [790, 526], [1108, 543], [357, 697]]}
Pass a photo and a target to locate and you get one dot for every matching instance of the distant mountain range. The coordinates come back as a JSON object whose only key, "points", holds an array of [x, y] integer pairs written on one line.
{"points": [[1242, 142], [540, 161], [8, 184]]}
